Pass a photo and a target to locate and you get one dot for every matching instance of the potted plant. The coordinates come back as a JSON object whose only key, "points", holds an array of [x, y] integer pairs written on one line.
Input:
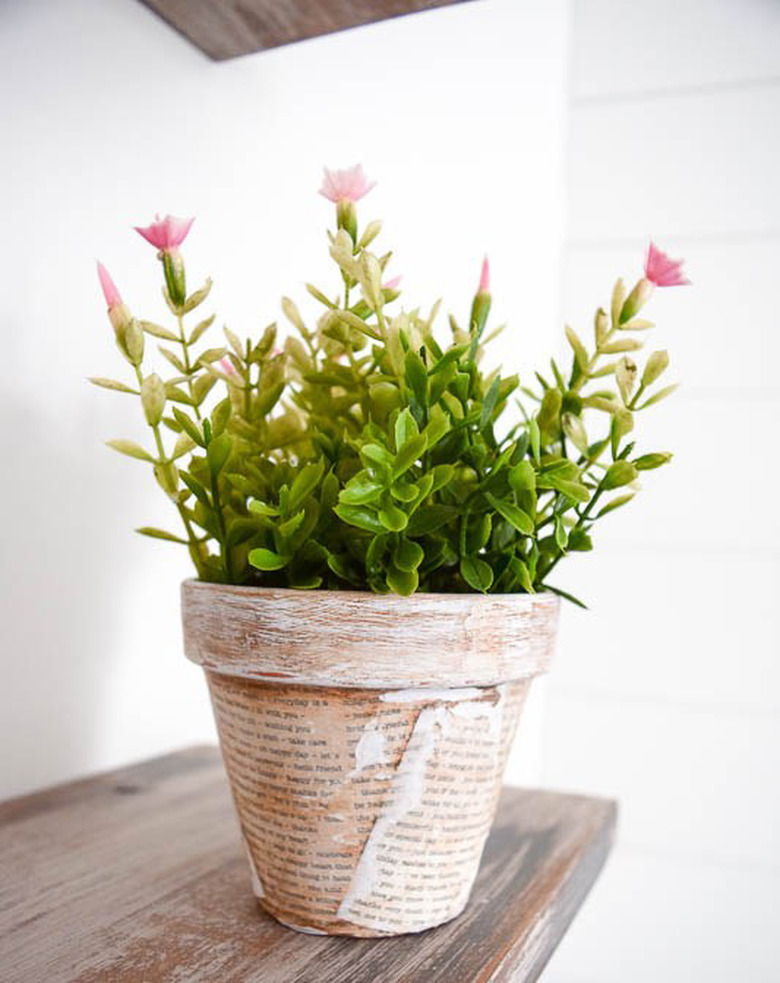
{"points": [[375, 515]]}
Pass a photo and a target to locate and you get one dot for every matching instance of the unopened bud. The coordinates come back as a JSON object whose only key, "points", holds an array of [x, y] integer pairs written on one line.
{"points": [[636, 300], [346, 217], [173, 267]]}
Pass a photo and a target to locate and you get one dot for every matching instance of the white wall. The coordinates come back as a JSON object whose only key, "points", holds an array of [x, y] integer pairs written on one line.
{"points": [[108, 116], [665, 694]]}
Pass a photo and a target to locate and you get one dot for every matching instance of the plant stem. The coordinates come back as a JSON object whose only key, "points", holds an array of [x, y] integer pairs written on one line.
{"points": [[163, 459], [187, 364], [227, 560]]}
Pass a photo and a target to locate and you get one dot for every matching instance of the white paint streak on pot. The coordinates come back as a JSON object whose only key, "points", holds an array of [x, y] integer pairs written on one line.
{"points": [[365, 738]]}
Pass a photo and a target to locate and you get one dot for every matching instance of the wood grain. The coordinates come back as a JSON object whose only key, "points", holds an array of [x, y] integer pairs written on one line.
{"points": [[238, 27], [356, 638], [138, 876]]}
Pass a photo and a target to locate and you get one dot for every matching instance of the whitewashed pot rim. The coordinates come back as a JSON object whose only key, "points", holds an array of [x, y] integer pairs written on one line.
{"points": [[359, 639]]}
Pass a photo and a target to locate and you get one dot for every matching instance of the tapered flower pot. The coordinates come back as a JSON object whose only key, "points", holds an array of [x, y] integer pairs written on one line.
{"points": [[365, 738]]}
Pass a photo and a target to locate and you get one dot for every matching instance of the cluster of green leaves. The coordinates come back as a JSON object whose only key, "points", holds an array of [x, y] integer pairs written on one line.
{"points": [[367, 454]]}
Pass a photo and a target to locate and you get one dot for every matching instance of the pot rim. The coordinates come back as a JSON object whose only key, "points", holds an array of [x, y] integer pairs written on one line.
{"points": [[359, 639], [320, 591]]}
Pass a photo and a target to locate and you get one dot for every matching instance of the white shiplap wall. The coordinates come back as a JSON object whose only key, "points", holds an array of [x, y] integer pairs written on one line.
{"points": [[666, 694]]}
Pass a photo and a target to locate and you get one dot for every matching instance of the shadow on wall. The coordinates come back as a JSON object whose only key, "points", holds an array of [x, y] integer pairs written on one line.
{"points": [[59, 582]]}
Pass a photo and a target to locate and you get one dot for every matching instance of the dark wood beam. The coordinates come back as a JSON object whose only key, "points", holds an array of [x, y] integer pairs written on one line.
{"points": [[227, 28]]}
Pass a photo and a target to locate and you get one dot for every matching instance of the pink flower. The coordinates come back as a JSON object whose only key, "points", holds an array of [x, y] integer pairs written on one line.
{"points": [[347, 185], [166, 234], [392, 284], [663, 271], [110, 292], [227, 366], [484, 278]]}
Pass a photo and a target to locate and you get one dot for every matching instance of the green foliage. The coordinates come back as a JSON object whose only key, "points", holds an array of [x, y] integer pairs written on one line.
{"points": [[368, 453]]}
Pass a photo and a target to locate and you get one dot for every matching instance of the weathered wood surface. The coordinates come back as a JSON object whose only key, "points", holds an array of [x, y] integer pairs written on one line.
{"points": [[227, 28], [139, 876], [357, 638]]}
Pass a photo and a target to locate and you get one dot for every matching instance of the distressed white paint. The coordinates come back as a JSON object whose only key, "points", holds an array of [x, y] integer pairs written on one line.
{"points": [[418, 695], [407, 790], [370, 749]]}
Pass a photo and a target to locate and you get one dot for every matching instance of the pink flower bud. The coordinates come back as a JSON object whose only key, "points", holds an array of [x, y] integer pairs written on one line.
{"points": [[392, 284], [484, 278], [347, 185], [166, 234], [663, 271], [118, 314], [227, 366], [110, 292]]}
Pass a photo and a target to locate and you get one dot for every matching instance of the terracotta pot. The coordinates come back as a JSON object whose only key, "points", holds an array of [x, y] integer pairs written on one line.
{"points": [[365, 738]]}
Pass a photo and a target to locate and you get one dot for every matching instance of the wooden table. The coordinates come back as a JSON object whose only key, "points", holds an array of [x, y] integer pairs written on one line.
{"points": [[138, 876]]}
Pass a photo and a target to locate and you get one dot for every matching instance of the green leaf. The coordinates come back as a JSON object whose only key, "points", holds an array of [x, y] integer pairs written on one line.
{"points": [[522, 477], [131, 449], [320, 296], [648, 462], [416, 376], [621, 345], [438, 425], [513, 515], [411, 452], [341, 566], [286, 529], [220, 416], [161, 534], [158, 331], [200, 328], [359, 516], [442, 475], [188, 426], [177, 395], [304, 484], [196, 488], [561, 536], [429, 518], [377, 454], [564, 594], [405, 428], [403, 582], [618, 474], [656, 365], [534, 434], [265, 559], [661, 394], [408, 555], [477, 574], [520, 570], [404, 491], [218, 451], [361, 490], [260, 508], [615, 504], [580, 354], [393, 518], [173, 358], [196, 298], [572, 489], [119, 387], [489, 403]]}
